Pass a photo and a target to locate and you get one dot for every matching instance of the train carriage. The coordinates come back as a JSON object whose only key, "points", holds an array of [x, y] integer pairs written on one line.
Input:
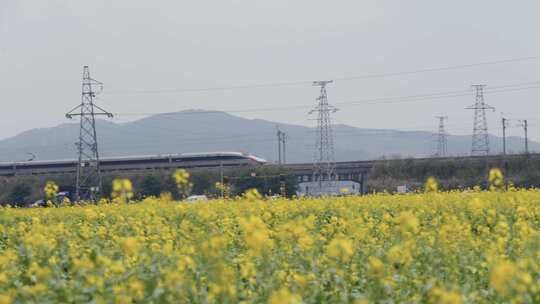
{"points": [[184, 160]]}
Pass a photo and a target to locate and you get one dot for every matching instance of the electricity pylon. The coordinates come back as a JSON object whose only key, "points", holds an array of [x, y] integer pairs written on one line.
{"points": [[88, 185], [442, 142], [324, 164], [480, 140]]}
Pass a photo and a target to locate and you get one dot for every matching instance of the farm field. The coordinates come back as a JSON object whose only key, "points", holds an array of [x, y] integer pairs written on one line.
{"points": [[457, 247]]}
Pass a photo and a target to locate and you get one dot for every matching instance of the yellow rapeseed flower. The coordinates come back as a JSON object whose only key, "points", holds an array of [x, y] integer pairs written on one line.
{"points": [[340, 248], [122, 190], [181, 179], [496, 179], [376, 267], [501, 275], [284, 296], [5, 299], [431, 185], [408, 222], [399, 255], [130, 245], [252, 195], [136, 288], [50, 190], [432, 248], [442, 296]]}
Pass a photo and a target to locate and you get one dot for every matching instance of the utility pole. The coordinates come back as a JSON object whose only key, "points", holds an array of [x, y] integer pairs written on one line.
{"points": [[480, 141], [281, 147], [324, 164], [526, 137], [280, 140], [284, 137], [442, 143], [88, 186], [524, 124], [504, 126]]}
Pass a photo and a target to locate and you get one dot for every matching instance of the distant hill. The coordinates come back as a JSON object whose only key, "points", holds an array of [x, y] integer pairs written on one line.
{"points": [[200, 131]]}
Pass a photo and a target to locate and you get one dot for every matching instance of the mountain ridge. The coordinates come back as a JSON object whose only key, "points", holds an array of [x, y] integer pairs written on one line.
{"points": [[200, 131]]}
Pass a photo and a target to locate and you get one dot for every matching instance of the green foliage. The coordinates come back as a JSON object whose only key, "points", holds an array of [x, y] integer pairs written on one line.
{"points": [[453, 173], [267, 180], [529, 178], [151, 185], [106, 186], [19, 194], [204, 182]]}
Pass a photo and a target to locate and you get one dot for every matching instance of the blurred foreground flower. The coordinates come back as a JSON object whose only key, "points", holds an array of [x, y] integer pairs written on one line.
{"points": [[496, 179], [431, 185], [122, 190], [50, 190], [183, 185]]}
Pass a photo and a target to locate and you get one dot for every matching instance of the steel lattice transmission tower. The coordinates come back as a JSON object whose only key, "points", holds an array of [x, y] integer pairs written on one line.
{"points": [[324, 174], [442, 138], [88, 185], [480, 141]]}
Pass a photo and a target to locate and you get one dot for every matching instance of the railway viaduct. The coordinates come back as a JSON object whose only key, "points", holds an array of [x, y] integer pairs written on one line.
{"points": [[356, 171]]}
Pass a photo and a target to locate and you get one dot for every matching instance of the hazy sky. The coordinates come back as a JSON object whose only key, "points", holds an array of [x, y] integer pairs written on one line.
{"points": [[165, 46]]}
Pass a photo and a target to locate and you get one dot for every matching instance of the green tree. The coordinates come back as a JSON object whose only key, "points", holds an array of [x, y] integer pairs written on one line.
{"points": [[18, 194], [266, 180], [106, 186], [203, 182], [151, 185]]}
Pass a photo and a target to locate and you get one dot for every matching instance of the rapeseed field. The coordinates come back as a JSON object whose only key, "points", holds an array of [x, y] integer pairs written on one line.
{"points": [[455, 247]]}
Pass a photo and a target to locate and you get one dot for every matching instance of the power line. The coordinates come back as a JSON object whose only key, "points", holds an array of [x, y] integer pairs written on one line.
{"points": [[170, 117], [438, 69], [305, 82], [429, 97]]}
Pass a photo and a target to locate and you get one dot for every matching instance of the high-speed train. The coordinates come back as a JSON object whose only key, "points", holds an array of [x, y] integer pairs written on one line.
{"points": [[184, 160]]}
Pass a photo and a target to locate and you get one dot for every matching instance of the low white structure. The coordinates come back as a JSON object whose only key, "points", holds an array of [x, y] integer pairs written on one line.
{"points": [[402, 189], [197, 198], [333, 189]]}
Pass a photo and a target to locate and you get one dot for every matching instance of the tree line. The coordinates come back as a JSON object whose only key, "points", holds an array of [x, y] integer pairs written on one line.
{"points": [[268, 180]]}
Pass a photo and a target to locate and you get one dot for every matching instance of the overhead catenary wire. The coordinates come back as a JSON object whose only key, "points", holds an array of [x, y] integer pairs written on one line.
{"points": [[309, 82]]}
